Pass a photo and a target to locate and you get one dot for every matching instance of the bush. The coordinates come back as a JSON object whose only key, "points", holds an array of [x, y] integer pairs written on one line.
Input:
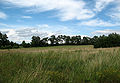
{"points": [[6, 47], [15, 46]]}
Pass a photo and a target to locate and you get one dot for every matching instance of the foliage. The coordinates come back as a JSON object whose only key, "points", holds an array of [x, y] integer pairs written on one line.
{"points": [[25, 45], [5, 43], [36, 41], [112, 40]]}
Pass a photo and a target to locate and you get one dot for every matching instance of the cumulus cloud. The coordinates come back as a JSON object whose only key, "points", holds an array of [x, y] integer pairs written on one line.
{"points": [[105, 32], [67, 9], [3, 15], [21, 33], [98, 23], [18, 35]]}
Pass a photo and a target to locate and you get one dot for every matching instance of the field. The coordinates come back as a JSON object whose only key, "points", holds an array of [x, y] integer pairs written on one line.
{"points": [[60, 64]]}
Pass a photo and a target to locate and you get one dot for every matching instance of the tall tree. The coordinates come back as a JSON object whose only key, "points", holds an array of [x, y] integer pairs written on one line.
{"points": [[53, 40], [78, 40], [35, 41], [44, 41], [67, 39], [25, 45], [4, 40], [86, 40], [60, 39]]}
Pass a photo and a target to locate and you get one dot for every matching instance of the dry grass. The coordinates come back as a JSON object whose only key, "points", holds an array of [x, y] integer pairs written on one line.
{"points": [[60, 64]]}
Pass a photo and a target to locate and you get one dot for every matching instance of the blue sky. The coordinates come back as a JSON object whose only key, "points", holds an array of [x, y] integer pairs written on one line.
{"points": [[21, 19]]}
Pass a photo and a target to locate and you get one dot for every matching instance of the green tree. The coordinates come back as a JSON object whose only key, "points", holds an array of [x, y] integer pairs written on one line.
{"points": [[52, 39], [36, 41], [86, 40], [25, 45], [60, 39], [4, 42], [44, 41]]}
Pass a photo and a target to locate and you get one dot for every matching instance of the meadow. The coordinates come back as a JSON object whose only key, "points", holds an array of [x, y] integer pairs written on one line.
{"points": [[60, 64]]}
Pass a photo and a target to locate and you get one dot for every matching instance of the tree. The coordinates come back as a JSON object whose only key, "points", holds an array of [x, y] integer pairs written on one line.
{"points": [[16, 45], [60, 39], [67, 39], [25, 45], [44, 41], [36, 41], [112, 40], [78, 40], [103, 41], [53, 40], [86, 40], [4, 42]]}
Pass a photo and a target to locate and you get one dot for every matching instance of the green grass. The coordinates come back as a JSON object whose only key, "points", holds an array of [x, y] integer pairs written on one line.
{"points": [[60, 64]]}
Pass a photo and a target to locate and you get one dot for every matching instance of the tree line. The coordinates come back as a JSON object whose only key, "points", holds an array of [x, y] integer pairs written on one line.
{"points": [[56, 41], [112, 40], [5, 43]]}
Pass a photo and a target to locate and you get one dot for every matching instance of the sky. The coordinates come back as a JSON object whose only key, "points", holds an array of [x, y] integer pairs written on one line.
{"points": [[22, 19]]}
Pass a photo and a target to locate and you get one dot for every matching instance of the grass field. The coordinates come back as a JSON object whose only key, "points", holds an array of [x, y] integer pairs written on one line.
{"points": [[60, 64]]}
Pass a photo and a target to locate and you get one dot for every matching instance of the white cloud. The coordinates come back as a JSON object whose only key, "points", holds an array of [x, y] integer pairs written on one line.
{"points": [[101, 4], [26, 17], [3, 15], [67, 9], [18, 35], [98, 23], [21, 33], [106, 32]]}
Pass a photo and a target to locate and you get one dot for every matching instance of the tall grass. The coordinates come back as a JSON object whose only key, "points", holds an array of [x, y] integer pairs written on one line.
{"points": [[62, 64]]}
